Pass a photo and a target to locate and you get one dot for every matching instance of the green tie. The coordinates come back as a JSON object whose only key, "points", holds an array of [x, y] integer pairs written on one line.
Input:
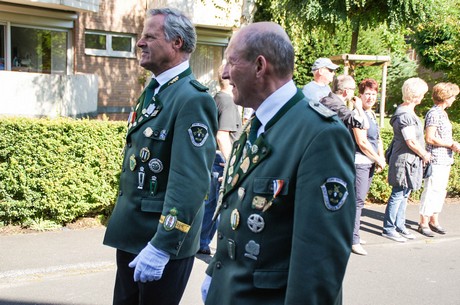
{"points": [[149, 92], [255, 125]]}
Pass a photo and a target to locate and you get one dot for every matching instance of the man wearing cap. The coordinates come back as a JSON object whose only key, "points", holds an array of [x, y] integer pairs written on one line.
{"points": [[323, 70]]}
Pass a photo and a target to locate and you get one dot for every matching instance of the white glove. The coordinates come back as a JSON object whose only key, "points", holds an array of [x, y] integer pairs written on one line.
{"points": [[205, 287], [149, 264]]}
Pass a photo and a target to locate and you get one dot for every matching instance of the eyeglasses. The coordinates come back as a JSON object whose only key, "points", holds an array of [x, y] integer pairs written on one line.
{"points": [[330, 70]]}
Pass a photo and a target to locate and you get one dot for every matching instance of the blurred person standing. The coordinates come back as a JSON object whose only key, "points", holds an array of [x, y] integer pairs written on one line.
{"points": [[441, 145], [408, 155], [286, 216], [343, 88], [229, 126], [165, 176], [369, 157], [323, 70]]}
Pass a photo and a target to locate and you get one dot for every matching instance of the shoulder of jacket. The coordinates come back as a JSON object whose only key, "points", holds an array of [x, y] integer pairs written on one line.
{"points": [[198, 85], [321, 109]]}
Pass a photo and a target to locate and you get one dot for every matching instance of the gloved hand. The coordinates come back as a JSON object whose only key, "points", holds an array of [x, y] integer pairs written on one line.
{"points": [[205, 287], [149, 264]]}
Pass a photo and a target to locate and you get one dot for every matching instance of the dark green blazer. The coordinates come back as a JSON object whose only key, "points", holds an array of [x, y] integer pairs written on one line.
{"points": [[166, 172], [287, 214]]}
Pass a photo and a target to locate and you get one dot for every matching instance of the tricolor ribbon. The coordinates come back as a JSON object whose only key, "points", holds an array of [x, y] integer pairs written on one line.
{"points": [[277, 187]]}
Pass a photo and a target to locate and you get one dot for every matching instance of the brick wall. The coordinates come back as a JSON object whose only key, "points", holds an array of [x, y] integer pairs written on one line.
{"points": [[119, 84]]}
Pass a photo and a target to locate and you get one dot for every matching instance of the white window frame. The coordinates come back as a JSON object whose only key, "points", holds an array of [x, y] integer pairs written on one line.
{"points": [[108, 52]]}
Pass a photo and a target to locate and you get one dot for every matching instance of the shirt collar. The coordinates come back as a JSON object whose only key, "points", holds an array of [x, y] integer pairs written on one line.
{"points": [[174, 71], [275, 102]]}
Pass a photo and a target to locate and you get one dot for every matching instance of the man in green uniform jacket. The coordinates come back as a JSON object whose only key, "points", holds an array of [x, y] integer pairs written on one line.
{"points": [[288, 204], [170, 148]]}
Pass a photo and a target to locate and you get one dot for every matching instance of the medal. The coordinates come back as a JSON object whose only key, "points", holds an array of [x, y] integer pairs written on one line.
{"points": [[234, 219], [140, 177], [256, 223]]}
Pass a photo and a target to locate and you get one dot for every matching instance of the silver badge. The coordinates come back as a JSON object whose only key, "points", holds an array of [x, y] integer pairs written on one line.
{"points": [[252, 250], [141, 177], [241, 193], [156, 165], [148, 132], [144, 154], [254, 149], [256, 223]]}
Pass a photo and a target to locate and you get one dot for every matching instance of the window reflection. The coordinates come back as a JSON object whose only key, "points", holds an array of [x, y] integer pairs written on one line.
{"points": [[38, 50]]}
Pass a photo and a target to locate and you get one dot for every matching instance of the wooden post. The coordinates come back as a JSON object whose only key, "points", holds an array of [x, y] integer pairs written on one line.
{"points": [[383, 94]]}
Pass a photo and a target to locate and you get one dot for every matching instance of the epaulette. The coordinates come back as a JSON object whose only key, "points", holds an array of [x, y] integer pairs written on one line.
{"points": [[321, 109], [198, 85]]}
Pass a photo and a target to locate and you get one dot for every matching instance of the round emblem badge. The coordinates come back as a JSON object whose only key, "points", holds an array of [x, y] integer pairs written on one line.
{"points": [[144, 154], [254, 149], [170, 222], [256, 223], [156, 165]]}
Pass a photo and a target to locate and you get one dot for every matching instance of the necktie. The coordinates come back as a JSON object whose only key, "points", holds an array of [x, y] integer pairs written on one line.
{"points": [[149, 92], [255, 125]]}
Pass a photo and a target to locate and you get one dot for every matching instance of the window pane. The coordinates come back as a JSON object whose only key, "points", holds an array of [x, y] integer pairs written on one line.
{"points": [[37, 50], [121, 43], [2, 47], [95, 41]]}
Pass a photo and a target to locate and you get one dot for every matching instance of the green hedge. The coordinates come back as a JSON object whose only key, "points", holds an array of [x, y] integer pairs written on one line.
{"points": [[53, 172]]}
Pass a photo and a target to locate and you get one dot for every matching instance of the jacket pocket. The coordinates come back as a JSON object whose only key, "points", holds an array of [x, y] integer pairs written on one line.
{"points": [[153, 206], [270, 279], [266, 185]]}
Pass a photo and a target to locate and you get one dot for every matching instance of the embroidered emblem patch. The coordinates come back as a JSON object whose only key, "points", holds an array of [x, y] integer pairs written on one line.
{"points": [[170, 220], [198, 134], [132, 162], [334, 193]]}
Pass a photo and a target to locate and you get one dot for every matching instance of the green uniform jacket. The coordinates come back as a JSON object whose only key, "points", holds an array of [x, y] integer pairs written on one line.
{"points": [[166, 172], [294, 248]]}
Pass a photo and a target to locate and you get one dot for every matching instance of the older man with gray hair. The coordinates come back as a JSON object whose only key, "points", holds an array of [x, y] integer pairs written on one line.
{"points": [[343, 89], [323, 70]]}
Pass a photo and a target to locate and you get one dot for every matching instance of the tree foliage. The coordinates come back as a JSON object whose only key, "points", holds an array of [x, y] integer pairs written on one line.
{"points": [[358, 14]]}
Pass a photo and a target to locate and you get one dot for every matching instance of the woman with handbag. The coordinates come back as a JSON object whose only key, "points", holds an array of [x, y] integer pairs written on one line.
{"points": [[439, 142], [405, 166]]}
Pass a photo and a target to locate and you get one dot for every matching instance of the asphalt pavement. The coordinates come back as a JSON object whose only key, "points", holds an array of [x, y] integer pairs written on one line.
{"points": [[72, 267]]}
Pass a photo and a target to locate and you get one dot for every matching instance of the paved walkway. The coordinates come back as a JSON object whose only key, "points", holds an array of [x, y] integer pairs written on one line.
{"points": [[72, 267]]}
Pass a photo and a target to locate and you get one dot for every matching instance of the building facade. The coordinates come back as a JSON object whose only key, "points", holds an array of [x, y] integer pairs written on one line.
{"points": [[79, 57]]}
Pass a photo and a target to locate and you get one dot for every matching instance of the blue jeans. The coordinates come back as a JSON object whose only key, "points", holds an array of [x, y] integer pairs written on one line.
{"points": [[209, 227], [395, 212]]}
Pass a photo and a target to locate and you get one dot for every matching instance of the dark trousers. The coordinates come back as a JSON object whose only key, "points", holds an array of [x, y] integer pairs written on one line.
{"points": [[166, 291]]}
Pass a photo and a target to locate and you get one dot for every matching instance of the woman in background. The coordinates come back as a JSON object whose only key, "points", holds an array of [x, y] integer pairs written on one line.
{"points": [[408, 155], [438, 136], [369, 156]]}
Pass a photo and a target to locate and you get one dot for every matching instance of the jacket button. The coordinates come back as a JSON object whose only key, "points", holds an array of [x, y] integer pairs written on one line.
{"points": [[219, 236], [120, 193], [129, 145], [218, 265], [225, 205]]}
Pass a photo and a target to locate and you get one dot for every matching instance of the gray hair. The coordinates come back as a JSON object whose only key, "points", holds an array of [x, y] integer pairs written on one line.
{"points": [[176, 25], [342, 82], [413, 88], [274, 47]]}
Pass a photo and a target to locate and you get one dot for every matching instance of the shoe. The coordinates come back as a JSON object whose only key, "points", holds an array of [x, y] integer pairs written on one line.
{"points": [[362, 241], [204, 251], [425, 231], [394, 236], [438, 229], [406, 234], [358, 249]]}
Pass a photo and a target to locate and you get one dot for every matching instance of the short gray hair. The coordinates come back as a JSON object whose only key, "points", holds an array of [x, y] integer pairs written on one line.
{"points": [[413, 88], [341, 82], [176, 24], [274, 47]]}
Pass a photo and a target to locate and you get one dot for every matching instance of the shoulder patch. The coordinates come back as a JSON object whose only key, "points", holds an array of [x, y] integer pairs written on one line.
{"points": [[335, 193], [321, 109], [198, 85]]}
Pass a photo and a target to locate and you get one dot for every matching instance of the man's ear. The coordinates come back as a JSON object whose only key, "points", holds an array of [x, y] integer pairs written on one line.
{"points": [[178, 43], [260, 65]]}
